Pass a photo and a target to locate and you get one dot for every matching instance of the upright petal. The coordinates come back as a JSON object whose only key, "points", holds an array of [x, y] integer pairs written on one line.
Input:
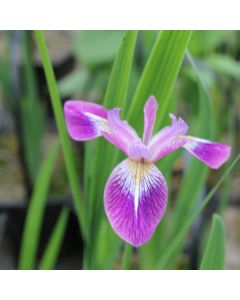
{"points": [[84, 120], [167, 139], [211, 153], [120, 133], [150, 110], [135, 200], [119, 126]]}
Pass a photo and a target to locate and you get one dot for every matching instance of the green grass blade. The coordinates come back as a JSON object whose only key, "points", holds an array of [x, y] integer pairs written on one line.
{"points": [[127, 256], [224, 197], [105, 155], [148, 38], [117, 89], [51, 253], [214, 254], [5, 70], [107, 247], [224, 64], [65, 141], [170, 250], [35, 212], [159, 74], [32, 130], [116, 95], [196, 173], [158, 78], [29, 74]]}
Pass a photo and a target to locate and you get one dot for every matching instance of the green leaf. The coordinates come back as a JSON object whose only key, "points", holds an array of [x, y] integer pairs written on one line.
{"points": [[159, 75], [170, 250], [65, 141], [97, 47], [29, 75], [32, 123], [214, 254], [107, 247], [225, 65], [32, 114], [105, 155], [6, 73], [32, 226], [117, 89], [196, 172], [73, 83], [205, 41], [158, 78], [148, 38], [51, 253], [127, 257]]}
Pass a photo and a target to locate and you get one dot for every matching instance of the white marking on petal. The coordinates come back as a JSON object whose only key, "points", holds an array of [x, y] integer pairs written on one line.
{"points": [[135, 200], [137, 178], [101, 124]]}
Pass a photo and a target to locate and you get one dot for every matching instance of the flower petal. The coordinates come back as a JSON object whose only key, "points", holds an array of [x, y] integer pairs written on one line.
{"points": [[167, 139], [211, 153], [84, 120], [120, 133], [135, 200], [139, 151], [150, 110]]}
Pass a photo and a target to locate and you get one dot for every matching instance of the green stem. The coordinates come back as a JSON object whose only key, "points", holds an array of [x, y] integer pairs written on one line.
{"points": [[59, 117], [127, 256]]}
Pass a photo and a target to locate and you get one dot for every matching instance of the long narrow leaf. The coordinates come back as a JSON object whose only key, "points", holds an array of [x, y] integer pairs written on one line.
{"points": [[51, 253], [158, 78], [214, 254], [127, 255], [105, 155], [196, 172], [117, 89], [35, 212], [65, 141], [174, 244], [159, 74]]}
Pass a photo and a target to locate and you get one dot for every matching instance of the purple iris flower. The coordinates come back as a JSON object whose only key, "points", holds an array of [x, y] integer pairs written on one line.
{"points": [[135, 196]]}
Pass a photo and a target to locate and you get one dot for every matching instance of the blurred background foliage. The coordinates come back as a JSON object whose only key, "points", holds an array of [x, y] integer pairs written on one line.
{"points": [[195, 76]]}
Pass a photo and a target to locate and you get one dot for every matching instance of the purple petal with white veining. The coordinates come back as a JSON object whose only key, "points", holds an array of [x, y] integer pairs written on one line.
{"points": [[168, 139], [211, 153], [135, 200], [150, 110], [84, 120]]}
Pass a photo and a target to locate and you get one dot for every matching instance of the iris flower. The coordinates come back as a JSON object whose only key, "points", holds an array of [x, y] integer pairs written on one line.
{"points": [[135, 195]]}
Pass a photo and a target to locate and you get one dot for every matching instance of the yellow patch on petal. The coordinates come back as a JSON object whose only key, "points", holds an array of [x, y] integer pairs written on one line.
{"points": [[139, 170]]}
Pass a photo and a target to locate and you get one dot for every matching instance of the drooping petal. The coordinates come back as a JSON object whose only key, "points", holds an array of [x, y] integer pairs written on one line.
{"points": [[211, 153], [150, 110], [84, 120], [167, 139], [87, 121], [135, 200], [120, 133]]}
